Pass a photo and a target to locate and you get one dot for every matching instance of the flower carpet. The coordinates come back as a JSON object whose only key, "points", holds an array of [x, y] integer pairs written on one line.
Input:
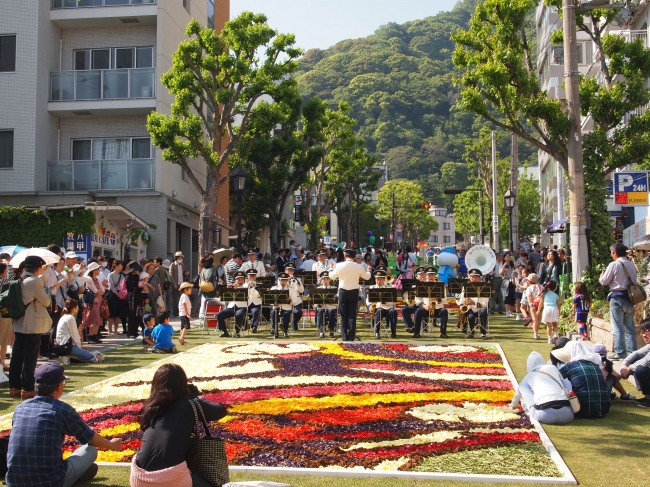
{"points": [[360, 406]]}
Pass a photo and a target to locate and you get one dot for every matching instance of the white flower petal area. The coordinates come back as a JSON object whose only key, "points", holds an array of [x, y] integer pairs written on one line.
{"points": [[272, 349], [475, 413], [445, 349], [391, 465], [436, 437], [436, 375]]}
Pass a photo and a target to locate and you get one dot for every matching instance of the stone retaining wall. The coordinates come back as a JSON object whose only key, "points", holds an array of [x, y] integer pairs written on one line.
{"points": [[600, 332]]}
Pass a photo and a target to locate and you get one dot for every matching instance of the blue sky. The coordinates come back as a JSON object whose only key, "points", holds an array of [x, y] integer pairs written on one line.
{"points": [[323, 23]]}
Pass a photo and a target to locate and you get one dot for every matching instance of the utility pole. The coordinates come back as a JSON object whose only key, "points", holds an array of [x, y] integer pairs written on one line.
{"points": [[392, 228], [577, 205], [495, 206], [514, 186]]}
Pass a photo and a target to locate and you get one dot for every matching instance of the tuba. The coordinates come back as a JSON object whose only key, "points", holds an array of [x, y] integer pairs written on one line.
{"points": [[480, 257]]}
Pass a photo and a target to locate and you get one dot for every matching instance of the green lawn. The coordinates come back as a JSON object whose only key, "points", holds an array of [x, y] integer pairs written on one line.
{"points": [[609, 452]]}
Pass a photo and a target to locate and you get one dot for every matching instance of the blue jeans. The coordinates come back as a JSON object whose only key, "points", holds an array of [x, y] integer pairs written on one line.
{"points": [[623, 332], [562, 415], [82, 458], [80, 354]]}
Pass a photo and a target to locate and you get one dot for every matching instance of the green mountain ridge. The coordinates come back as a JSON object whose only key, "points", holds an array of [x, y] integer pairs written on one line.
{"points": [[399, 84]]}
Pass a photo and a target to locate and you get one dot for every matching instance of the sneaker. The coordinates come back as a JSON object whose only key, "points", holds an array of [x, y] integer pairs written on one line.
{"points": [[550, 340], [321, 335], [483, 337], [518, 316], [644, 402], [94, 360], [508, 314], [99, 357], [88, 474], [615, 356], [628, 397], [535, 337], [65, 360], [555, 337]]}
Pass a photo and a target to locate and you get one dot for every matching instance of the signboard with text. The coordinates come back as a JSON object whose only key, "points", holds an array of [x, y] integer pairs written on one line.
{"points": [[79, 244], [631, 188]]}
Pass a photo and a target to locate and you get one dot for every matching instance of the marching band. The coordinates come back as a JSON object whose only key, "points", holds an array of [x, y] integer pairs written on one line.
{"points": [[415, 312]]}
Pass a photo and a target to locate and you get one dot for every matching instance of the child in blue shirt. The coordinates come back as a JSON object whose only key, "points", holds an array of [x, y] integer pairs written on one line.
{"points": [[149, 322], [163, 333]]}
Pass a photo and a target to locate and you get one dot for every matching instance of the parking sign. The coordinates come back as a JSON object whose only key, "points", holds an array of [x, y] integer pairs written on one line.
{"points": [[631, 188]]}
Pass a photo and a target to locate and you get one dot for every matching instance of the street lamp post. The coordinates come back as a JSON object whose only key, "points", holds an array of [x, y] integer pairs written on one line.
{"points": [[238, 178], [509, 203]]}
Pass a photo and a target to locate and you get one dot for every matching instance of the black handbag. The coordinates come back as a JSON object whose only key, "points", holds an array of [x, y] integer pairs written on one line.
{"points": [[89, 297], [206, 456], [63, 350]]}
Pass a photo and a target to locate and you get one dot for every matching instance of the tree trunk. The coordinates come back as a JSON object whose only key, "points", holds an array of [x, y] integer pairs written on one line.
{"points": [[208, 203], [275, 227]]}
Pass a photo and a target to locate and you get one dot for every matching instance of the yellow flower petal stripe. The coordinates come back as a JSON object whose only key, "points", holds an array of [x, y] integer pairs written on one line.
{"points": [[120, 429], [285, 406], [114, 456], [335, 349]]}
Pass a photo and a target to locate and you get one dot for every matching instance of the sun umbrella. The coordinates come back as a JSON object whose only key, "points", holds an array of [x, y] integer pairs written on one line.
{"points": [[11, 249], [50, 258], [220, 253], [557, 227], [642, 244]]}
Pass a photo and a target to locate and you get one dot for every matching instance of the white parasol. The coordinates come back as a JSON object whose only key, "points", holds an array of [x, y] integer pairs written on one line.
{"points": [[50, 258]]}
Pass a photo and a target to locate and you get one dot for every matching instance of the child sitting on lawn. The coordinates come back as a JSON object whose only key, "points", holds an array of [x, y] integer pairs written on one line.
{"points": [[612, 378], [147, 340], [162, 334]]}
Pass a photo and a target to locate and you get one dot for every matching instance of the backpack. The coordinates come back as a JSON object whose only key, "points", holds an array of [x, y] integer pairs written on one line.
{"points": [[124, 292], [11, 300], [89, 297]]}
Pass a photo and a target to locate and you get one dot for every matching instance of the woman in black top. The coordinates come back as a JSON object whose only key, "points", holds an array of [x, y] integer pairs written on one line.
{"points": [[167, 419], [551, 269], [135, 299]]}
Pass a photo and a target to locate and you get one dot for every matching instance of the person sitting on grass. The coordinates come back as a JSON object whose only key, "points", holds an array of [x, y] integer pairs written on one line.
{"points": [[638, 363], [162, 334], [67, 331], [39, 427], [582, 368], [147, 340], [543, 393], [612, 378]]}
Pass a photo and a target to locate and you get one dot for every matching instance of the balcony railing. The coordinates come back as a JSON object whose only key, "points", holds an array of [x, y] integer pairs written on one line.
{"points": [[97, 3], [103, 84], [633, 35], [132, 174]]}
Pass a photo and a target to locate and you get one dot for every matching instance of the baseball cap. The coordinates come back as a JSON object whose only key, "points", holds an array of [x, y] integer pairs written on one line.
{"points": [[71, 255], [50, 374]]}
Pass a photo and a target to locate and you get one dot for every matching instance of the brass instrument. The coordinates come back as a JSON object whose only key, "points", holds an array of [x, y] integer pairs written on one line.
{"points": [[462, 312], [373, 309]]}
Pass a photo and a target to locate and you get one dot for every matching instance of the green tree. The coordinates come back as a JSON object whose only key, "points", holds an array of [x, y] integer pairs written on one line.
{"points": [[500, 84], [401, 197], [218, 81], [528, 206]]}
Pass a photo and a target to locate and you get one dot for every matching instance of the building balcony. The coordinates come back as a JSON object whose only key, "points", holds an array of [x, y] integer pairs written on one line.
{"points": [[70, 14], [115, 175], [103, 91]]}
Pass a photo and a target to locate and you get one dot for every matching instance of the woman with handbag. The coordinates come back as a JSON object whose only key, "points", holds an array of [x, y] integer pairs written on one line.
{"points": [[544, 393], [169, 419], [67, 344], [93, 297], [207, 283]]}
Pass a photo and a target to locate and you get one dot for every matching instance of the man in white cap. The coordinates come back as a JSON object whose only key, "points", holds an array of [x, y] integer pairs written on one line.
{"points": [[253, 263], [176, 271], [348, 273]]}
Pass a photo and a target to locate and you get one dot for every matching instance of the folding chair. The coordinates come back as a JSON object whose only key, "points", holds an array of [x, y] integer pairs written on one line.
{"points": [[211, 307]]}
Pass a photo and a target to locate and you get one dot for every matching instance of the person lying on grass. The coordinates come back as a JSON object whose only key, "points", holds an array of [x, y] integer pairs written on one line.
{"points": [[162, 334]]}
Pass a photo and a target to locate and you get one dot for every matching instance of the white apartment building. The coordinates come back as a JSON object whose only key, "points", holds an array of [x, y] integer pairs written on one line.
{"points": [[550, 65], [445, 236], [77, 81]]}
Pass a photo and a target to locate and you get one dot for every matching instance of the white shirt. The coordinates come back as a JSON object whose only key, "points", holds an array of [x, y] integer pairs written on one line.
{"points": [[293, 295], [258, 265], [182, 307], [481, 302], [321, 267], [66, 330], [348, 273], [614, 276], [253, 295]]}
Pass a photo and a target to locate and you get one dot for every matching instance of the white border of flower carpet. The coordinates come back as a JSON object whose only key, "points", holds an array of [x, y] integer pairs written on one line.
{"points": [[566, 479]]}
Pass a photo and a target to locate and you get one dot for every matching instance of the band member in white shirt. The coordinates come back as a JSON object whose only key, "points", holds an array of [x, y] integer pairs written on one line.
{"points": [[324, 264], [285, 309], [253, 263], [296, 301], [328, 311], [384, 309], [348, 273], [235, 309], [254, 299], [431, 308], [477, 307], [409, 311]]}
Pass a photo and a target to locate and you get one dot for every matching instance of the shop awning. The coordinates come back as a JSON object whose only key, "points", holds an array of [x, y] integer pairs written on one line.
{"points": [[642, 244], [120, 216], [557, 227]]}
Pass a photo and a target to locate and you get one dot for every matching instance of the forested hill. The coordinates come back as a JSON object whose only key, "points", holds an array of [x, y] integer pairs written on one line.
{"points": [[399, 84]]}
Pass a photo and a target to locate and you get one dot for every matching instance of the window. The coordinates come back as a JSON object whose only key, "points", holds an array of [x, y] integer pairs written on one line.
{"points": [[115, 58], [447, 239], [6, 148], [435, 238], [7, 53], [211, 14], [441, 212], [446, 226], [186, 4], [111, 149], [184, 176]]}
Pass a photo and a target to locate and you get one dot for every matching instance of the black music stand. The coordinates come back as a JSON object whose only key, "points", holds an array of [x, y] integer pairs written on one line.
{"points": [[309, 280], [231, 294], [479, 290], [379, 296], [408, 287], [266, 282], [430, 290], [323, 297], [274, 297], [369, 282], [455, 285]]}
